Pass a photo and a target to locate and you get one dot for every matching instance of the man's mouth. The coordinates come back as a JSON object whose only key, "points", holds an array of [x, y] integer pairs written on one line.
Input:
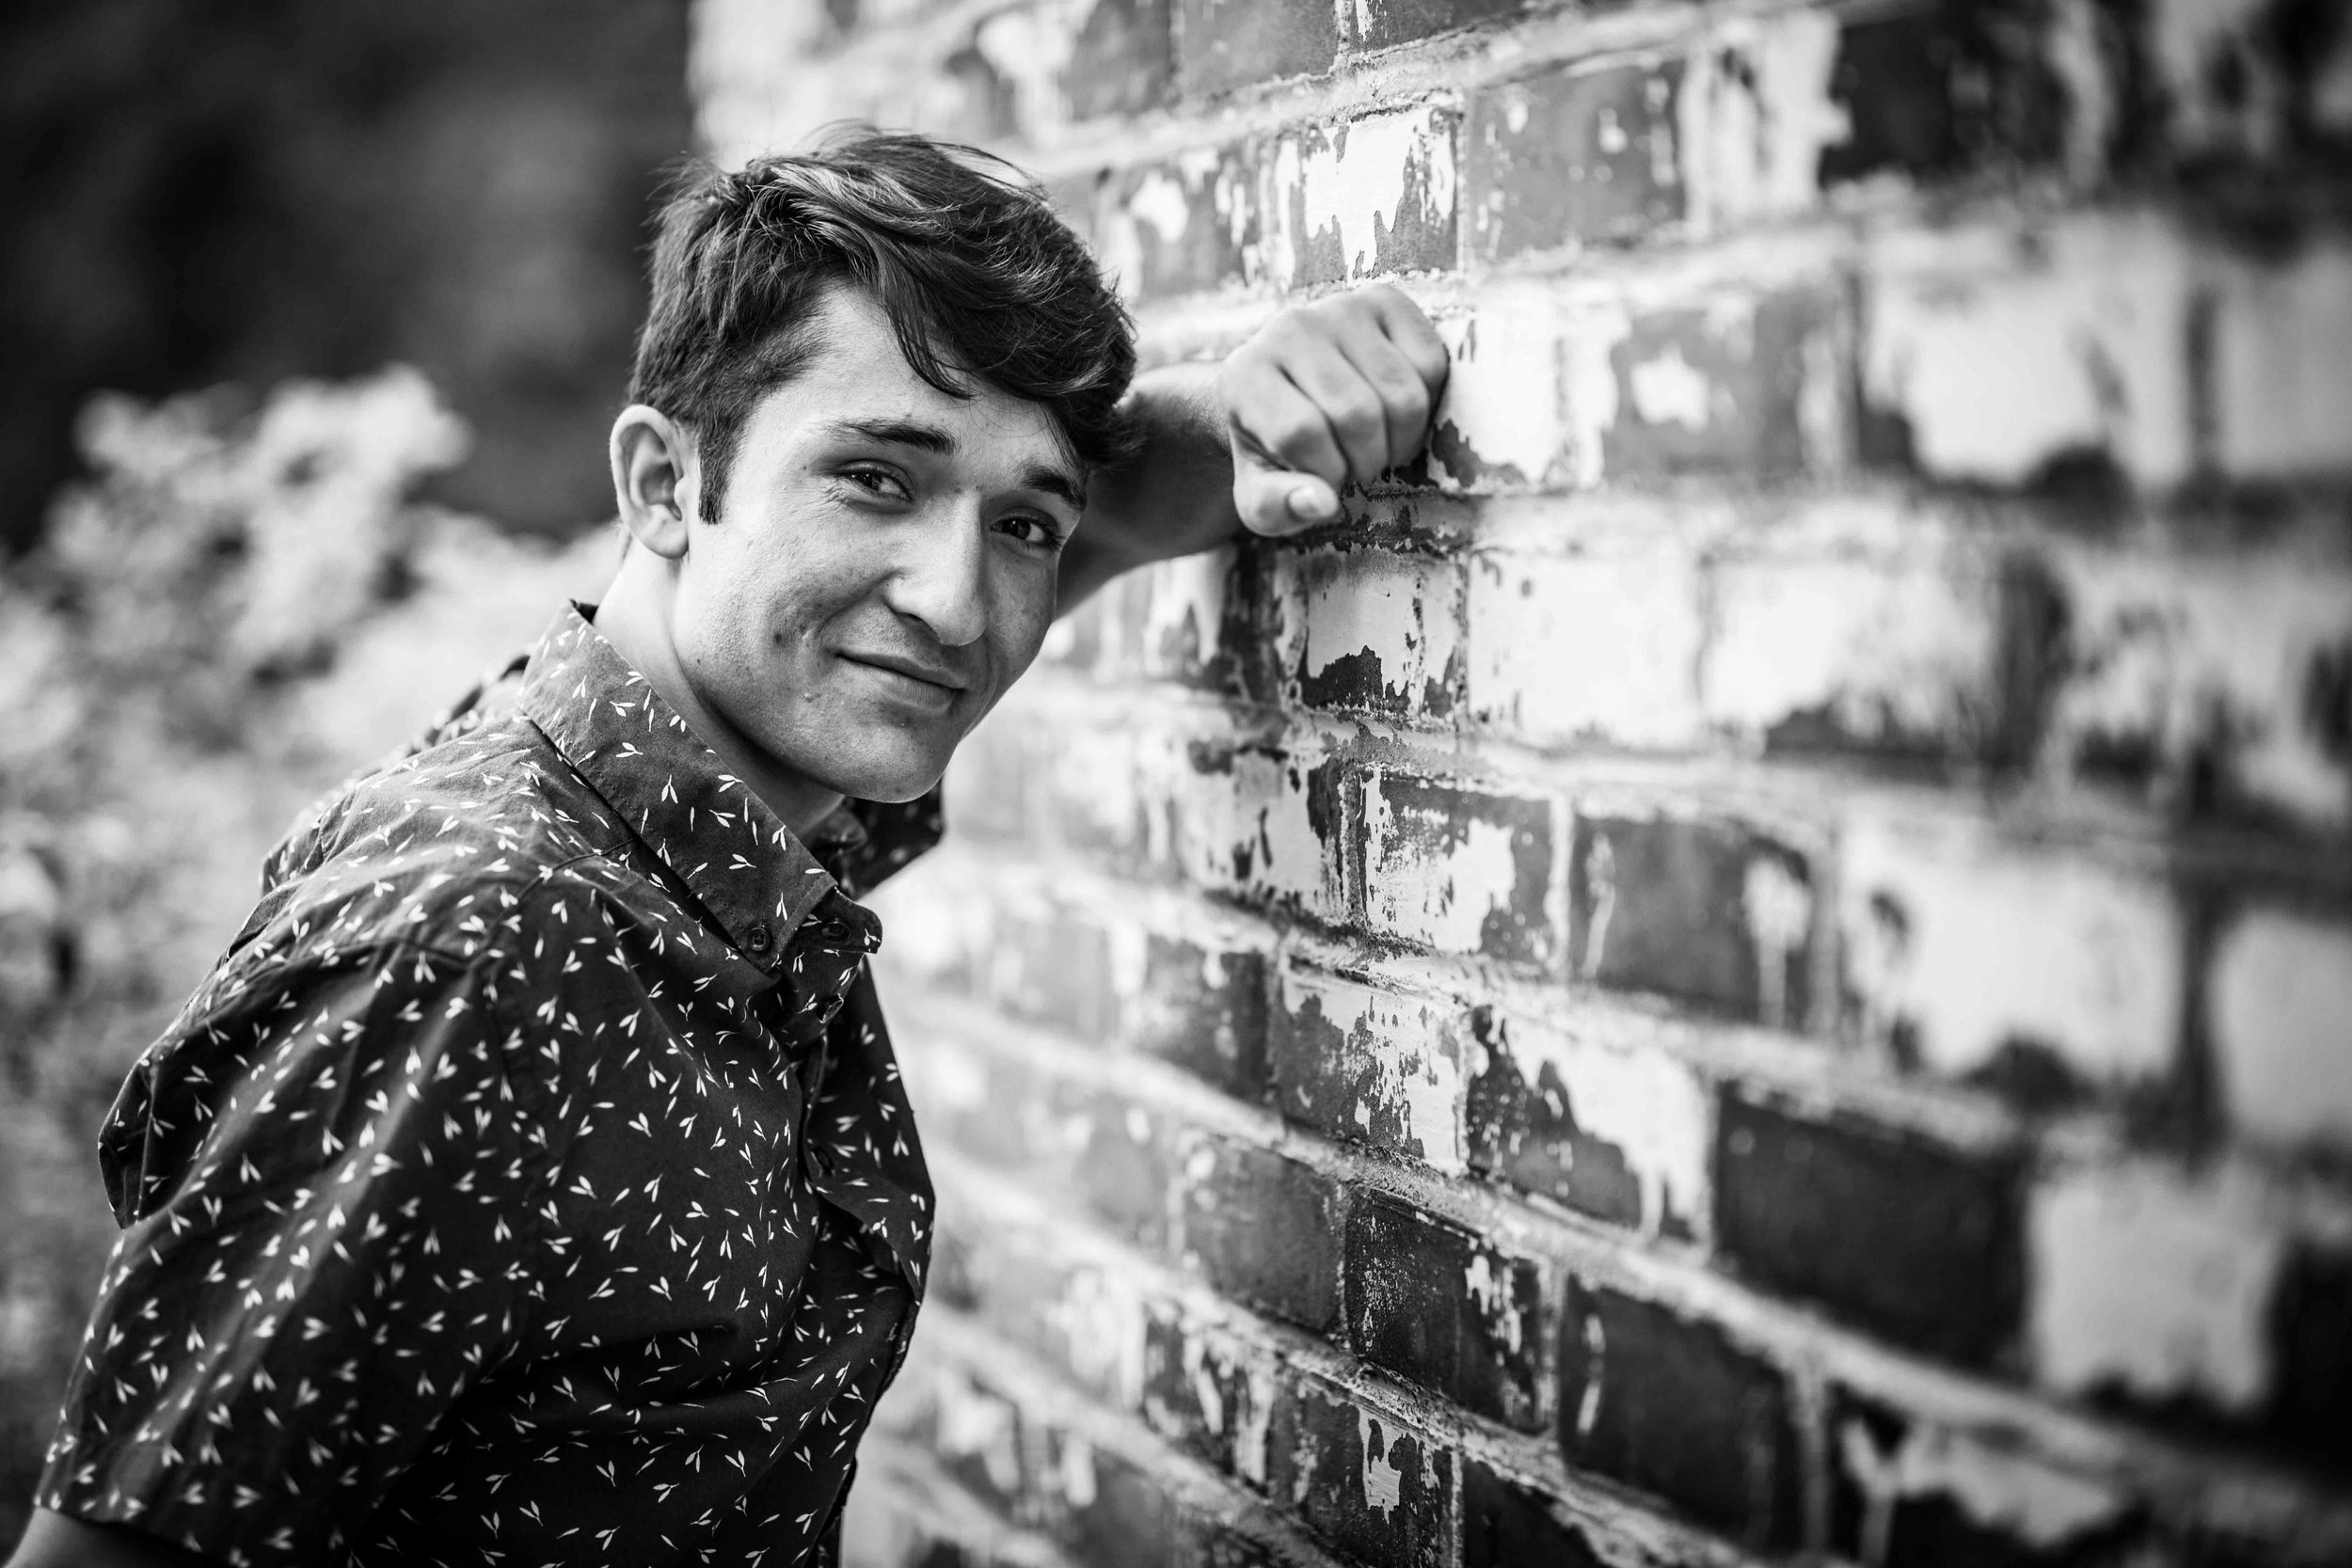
{"points": [[917, 681]]}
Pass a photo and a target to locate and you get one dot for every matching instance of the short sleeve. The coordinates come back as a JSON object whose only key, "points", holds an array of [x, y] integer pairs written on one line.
{"points": [[330, 1193]]}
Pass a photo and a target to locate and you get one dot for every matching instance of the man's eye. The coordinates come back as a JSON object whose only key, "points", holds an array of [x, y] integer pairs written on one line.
{"points": [[1032, 530], [879, 481]]}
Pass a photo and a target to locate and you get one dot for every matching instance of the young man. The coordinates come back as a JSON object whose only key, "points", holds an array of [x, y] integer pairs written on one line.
{"points": [[531, 1182]]}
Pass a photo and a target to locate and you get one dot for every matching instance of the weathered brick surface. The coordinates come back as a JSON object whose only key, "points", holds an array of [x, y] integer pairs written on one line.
{"points": [[1922, 1244], [1672, 1406], [1433, 1302], [1755, 948]]}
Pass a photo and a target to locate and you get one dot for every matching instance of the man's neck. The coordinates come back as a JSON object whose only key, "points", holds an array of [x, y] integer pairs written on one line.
{"points": [[633, 619]]}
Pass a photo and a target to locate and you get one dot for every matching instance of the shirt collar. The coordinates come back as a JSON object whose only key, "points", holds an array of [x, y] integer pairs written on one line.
{"points": [[751, 873]]}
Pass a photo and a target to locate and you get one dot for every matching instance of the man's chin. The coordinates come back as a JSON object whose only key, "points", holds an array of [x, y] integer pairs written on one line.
{"points": [[886, 780]]}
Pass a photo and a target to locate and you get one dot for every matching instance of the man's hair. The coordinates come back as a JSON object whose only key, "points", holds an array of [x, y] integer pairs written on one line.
{"points": [[982, 282]]}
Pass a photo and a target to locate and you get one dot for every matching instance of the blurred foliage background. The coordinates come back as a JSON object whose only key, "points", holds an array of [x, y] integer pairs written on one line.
{"points": [[311, 322]]}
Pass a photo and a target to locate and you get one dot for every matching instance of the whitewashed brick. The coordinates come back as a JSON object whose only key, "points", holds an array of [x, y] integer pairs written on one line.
{"points": [[2280, 992], [1371, 629], [2283, 367], [1885, 650], [1464, 870], [1958, 945], [1355, 188], [2002, 352], [1587, 647], [2154, 1282], [1379, 1066]]}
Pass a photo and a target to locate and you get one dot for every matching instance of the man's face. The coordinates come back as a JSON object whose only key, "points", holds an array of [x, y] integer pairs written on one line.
{"points": [[884, 567]]}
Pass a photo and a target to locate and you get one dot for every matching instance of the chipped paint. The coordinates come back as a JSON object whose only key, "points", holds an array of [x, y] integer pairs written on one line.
{"points": [[2087, 961], [2155, 1282], [1075, 1473], [1032, 50], [1651, 1109], [1885, 650], [1184, 613], [1994, 1488], [1492, 1294], [1100, 1320], [1249, 822], [1668, 391], [974, 1424], [1344, 201], [1438, 876], [1754, 117], [1250, 1440], [1500, 420], [1598, 647], [2202, 666], [1389, 1059], [2005, 354], [1590, 336], [1383, 1478], [2281, 1012], [1367, 628]]}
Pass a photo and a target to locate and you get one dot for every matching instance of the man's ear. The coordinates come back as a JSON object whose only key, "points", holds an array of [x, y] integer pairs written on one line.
{"points": [[656, 479]]}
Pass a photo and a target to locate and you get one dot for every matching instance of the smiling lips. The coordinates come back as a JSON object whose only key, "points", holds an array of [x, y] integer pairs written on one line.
{"points": [[925, 685]]}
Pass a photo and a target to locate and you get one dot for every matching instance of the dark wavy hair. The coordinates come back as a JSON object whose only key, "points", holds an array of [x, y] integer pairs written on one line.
{"points": [[981, 281]]}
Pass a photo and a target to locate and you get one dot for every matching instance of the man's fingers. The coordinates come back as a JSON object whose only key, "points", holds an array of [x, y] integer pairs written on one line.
{"points": [[1313, 359], [1275, 501], [1412, 334]]}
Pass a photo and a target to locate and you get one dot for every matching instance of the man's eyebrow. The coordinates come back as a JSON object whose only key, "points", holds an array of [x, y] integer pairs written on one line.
{"points": [[930, 438]]}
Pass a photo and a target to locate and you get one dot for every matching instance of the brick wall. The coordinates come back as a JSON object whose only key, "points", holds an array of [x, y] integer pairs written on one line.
{"points": [[1755, 959]]}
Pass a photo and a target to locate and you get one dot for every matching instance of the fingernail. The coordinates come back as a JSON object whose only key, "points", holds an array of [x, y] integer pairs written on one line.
{"points": [[1313, 500]]}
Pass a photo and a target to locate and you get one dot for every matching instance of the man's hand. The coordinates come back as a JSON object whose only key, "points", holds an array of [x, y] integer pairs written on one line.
{"points": [[1327, 395]]}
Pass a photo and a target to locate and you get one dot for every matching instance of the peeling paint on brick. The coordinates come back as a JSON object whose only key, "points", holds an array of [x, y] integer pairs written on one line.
{"points": [[1370, 1065], [2005, 358], [2155, 1285], [1755, 116], [1368, 629], [2281, 1001], [1591, 647], [2282, 375], [1461, 870], [1372, 197], [1907, 1488], [1573, 158], [1501, 420], [1969, 960], [1622, 1135], [2190, 679]]}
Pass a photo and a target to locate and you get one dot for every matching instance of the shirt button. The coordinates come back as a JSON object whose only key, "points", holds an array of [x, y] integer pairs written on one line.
{"points": [[758, 939]]}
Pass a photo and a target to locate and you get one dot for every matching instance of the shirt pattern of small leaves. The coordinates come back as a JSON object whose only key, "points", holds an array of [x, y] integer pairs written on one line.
{"points": [[531, 1182]]}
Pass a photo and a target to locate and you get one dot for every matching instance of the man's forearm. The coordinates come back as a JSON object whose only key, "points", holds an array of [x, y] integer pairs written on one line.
{"points": [[1175, 497]]}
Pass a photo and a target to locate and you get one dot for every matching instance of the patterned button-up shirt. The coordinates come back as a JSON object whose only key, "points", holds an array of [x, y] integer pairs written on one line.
{"points": [[530, 1183]]}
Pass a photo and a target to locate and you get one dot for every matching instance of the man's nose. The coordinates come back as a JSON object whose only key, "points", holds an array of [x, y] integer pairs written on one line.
{"points": [[940, 578]]}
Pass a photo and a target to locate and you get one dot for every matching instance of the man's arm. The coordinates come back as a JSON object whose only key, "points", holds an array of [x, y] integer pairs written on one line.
{"points": [[60, 1541], [1326, 395]]}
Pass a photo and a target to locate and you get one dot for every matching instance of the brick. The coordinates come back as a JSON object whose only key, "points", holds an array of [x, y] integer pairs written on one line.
{"points": [[1623, 1135], [1731, 385], [1263, 1230], [2153, 1285], [1670, 1406], [1210, 1391], [1592, 647], [1187, 226], [1904, 1490], [1378, 1488], [1918, 1243], [2213, 686], [2279, 998], [1370, 198], [1582, 157], [1504, 419], [1508, 1524], [1756, 117], [1193, 621], [1124, 1166], [2089, 960], [2283, 384], [1380, 24], [995, 1110], [1710, 911], [1264, 823], [2028, 359], [1436, 1304], [1124, 62], [1461, 869], [977, 1434], [1080, 1313], [1371, 632], [1223, 44], [1201, 1004], [989, 778], [2311, 1339], [1946, 657], [1371, 1066], [1951, 90]]}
